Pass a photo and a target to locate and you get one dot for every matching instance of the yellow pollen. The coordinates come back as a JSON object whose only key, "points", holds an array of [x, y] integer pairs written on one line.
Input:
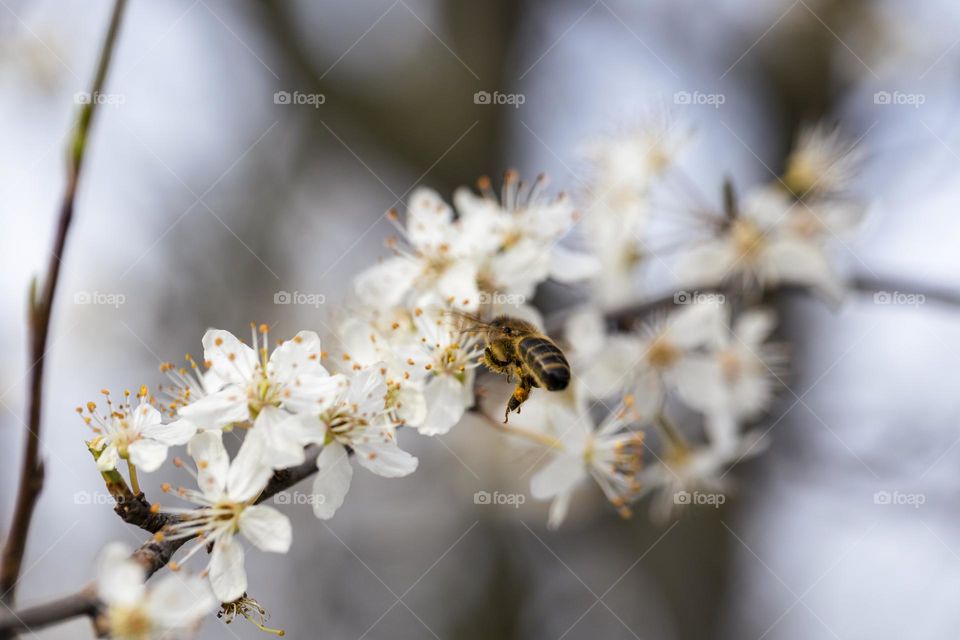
{"points": [[662, 353], [747, 239]]}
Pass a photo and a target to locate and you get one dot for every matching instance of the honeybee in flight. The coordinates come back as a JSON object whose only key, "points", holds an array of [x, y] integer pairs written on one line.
{"points": [[518, 350]]}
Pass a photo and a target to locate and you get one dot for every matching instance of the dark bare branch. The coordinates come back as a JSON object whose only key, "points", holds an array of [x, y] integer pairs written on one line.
{"points": [[40, 312]]}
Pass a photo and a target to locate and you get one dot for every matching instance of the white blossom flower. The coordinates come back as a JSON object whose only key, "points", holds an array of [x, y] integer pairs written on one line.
{"points": [[644, 366], [518, 235], [629, 161], [136, 434], [681, 471], [226, 499], [821, 163], [611, 454], [381, 341], [355, 419], [189, 384], [438, 268], [172, 608], [441, 362], [262, 391], [773, 240], [737, 380]]}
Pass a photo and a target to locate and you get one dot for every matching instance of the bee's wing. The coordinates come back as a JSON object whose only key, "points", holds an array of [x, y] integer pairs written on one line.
{"points": [[468, 322]]}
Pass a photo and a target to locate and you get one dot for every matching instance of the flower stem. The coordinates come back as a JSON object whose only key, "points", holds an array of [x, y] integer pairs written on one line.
{"points": [[675, 439], [134, 481], [539, 438], [40, 306]]}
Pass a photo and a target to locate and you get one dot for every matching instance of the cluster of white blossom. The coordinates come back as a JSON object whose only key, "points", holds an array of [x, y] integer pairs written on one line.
{"points": [[779, 233], [406, 358]]}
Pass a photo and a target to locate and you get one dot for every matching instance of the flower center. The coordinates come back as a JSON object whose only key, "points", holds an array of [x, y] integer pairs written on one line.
{"points": [[662, 354], [747, 239], [129, 623], [730, 365], [262, 393], [341, 424], [228, 515], [802, 173], [511, 239]]}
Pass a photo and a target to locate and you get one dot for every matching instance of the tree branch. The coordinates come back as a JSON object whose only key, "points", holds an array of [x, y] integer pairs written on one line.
{"points": [[153, 555], [40, 312], [866, 285], [75, 605]]}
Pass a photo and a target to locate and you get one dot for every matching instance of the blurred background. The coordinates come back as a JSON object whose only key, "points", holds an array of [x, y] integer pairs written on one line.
{"points": [[252, 147]]}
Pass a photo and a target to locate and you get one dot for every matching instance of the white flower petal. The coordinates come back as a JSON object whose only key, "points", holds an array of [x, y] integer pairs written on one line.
{"points": [[754, 326], [707, 264], [314, 394], [368, 391], [147, 454], [207, 449], [281, 439], [559, 476], [385, 285], [295, 358], [145, 416], [232, 360], [108, 458], [227, 406], [558, 511], [385, 458], [572, 266], [332, 482], [428, 219], [179, 601], [444, 398], [803, 263], [175, 434], [697, 325], [248, 473], [411, 406], [586, 331], [119, 579], [227, 575], [458, 285], [266, 528]]}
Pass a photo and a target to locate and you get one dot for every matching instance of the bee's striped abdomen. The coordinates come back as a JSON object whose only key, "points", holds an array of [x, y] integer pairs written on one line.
{"points": [[546, 362]]}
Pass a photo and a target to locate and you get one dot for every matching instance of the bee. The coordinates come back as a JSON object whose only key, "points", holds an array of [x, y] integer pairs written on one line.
{"points": [[518, 350]]}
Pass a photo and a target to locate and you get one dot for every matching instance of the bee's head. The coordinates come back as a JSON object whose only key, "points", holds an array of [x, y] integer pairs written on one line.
{"points": [[507, 327]]}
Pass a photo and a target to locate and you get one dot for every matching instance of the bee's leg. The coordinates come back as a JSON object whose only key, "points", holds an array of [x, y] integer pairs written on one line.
{"points": [[502, 367], [520, 395]]}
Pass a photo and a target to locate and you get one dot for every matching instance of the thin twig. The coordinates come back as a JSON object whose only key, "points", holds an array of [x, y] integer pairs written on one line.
{"points": [[40, 312], [75, 605], [153, 555]]}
